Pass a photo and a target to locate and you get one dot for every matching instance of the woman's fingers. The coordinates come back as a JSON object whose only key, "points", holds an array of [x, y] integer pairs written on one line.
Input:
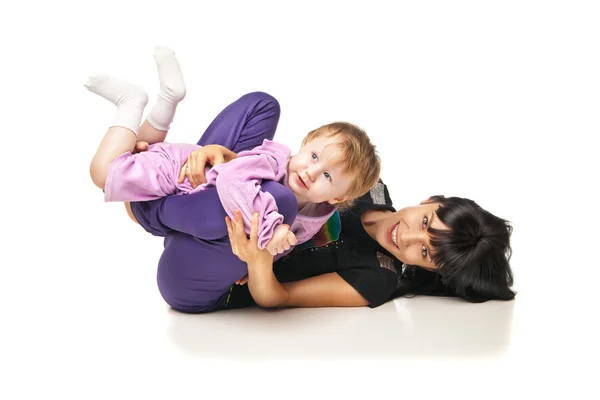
{"points": [[182, 173], [254, 229], [197, 163], [246, 249], [239, 224], [217, 159], [232, 238], [229, 227], [191, 165]]}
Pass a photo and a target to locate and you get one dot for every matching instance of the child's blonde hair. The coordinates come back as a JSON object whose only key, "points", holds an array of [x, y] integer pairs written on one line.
{"points": [[358, 155]]}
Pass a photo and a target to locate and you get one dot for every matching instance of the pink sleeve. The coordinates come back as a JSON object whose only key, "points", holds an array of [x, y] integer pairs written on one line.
{"points": [[239, 181]]}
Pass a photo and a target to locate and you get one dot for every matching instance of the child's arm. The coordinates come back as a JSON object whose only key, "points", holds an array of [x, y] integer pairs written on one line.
{"points": [[239, 187]]}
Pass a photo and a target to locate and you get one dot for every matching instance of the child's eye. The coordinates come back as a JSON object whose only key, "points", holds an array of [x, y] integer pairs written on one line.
{"points": [[314, 156], [424, 251], [327, 176], [425, 222]]}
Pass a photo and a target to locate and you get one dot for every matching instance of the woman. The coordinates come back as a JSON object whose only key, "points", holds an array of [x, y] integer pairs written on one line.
{"points": [[443, 246], [454, 248]]}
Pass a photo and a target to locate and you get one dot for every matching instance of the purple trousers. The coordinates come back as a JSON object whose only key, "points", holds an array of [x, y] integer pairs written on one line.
{"points": [[197, 268]]}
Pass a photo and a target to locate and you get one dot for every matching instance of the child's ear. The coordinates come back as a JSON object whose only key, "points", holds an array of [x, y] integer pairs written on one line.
{"points": [[338, 200]]}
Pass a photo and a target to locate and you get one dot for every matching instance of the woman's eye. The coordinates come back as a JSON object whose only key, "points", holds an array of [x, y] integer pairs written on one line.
{"points": [[327, 176], [425, 222], [424, 251]]}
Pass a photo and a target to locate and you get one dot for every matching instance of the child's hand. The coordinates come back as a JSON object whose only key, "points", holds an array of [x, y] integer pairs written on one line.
{"points": [[281, 241], [292, 239], [212, 154]]}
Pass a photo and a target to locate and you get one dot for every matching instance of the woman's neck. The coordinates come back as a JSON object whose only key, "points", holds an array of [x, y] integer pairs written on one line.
{"points": [[371, 220]]}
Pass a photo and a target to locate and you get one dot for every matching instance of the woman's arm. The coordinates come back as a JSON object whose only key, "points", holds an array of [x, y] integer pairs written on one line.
{"points": [[327, 290]]}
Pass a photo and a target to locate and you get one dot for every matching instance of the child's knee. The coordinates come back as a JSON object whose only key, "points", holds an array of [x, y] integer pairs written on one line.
{"points": [[264, 100], [98, 173]]}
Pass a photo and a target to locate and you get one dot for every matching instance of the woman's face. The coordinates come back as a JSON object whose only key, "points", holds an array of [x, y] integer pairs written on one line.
{"points": [[404, 234]]}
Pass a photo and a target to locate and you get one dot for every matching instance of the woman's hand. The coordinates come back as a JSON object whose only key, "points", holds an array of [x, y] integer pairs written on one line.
{"points": [[212, 154], [246, 248], [262, 283]]}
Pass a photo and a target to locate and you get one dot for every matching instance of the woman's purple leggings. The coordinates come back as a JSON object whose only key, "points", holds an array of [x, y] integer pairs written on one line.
{"points": [[197, 268]]}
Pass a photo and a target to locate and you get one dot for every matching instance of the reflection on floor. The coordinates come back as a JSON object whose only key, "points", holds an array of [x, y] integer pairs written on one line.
{"points": [[424, 327]]}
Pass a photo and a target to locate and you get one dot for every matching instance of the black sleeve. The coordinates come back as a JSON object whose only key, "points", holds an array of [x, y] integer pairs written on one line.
{"points": [[239, 297], [377, 287]]}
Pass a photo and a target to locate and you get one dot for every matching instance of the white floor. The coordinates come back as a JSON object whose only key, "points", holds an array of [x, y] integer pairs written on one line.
{"points": [[102, 337], [493, 101]]}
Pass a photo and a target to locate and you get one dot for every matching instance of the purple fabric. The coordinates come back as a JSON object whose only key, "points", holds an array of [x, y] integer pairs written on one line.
{"points": [[239, 182], [197, 267]]}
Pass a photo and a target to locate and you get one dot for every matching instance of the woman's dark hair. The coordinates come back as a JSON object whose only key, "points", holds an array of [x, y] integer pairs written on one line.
{"points": [[472, 256]]}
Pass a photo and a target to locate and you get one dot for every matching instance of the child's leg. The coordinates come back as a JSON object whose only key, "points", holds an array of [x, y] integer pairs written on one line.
{"points": [[172, 91], [148, 175], [130, 100], [242, 125]]}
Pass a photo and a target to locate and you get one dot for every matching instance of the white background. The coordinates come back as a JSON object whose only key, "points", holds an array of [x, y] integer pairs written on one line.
{"points": [[495, 101]]}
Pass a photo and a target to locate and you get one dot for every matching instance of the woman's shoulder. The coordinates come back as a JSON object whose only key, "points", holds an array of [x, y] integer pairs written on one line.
{"points": [[379, 194], [378, 198]]}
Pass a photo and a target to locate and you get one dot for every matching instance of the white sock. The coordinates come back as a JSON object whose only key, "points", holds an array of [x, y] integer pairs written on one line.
{"points": [[172, 89], [130, 99]]}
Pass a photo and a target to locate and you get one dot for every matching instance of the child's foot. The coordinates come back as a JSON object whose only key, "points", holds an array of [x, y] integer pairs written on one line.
{"points": [[116, 91], [172, 86], [130, 99]]}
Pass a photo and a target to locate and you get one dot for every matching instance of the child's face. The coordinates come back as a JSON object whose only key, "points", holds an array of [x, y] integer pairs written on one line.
{"points": [[314, 176]]}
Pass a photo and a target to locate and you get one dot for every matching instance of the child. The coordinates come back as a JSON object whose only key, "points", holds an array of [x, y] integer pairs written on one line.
{"points": [[335, 165]]}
